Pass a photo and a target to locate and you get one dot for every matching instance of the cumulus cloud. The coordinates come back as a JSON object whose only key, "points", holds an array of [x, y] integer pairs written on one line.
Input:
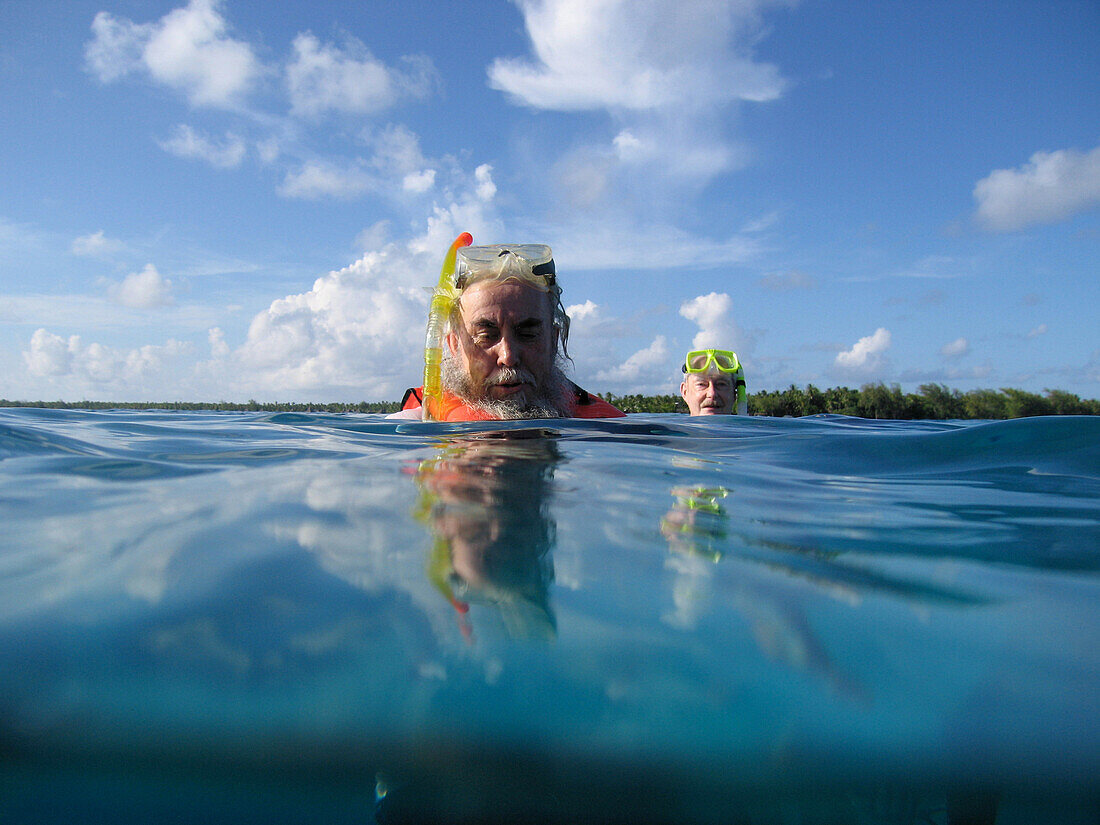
{"points": [[666, 74], [643, 367], [419, 182], [96, 244], [187, 143], [636, 55], [359, 332], [868, 354], [955, 349], [1050, 187], [50, 355], [483, 177], [351, 329], [714, 315], [324, 77], [143, 290], [218, 347], [582, 312], [188, 49]]}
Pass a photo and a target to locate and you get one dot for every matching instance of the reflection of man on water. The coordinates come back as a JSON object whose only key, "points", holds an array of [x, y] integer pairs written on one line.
{"points": [[696, 530], [485, 499]]}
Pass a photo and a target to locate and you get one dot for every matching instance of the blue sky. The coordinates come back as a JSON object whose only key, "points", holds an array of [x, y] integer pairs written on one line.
{"points": [[228, 200]]}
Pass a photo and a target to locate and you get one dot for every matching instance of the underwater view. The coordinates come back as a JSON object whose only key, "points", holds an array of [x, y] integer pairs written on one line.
{"points": [[255, 617]]}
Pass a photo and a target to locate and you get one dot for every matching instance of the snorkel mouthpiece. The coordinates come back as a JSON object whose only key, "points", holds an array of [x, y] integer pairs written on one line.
{"points": [[443, 302]]}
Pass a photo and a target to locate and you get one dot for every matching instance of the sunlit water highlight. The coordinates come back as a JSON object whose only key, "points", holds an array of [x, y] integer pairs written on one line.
{"points": [[255, 617]]}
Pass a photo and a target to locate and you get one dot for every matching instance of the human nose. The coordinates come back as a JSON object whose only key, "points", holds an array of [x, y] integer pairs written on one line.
{"points": [[507, 351]]}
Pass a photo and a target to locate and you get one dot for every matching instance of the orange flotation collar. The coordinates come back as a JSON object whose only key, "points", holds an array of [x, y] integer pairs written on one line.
{"points": [[453, 408]]}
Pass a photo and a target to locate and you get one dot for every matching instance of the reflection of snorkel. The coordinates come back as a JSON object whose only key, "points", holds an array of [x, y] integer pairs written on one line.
{"points": [[443, 302]]}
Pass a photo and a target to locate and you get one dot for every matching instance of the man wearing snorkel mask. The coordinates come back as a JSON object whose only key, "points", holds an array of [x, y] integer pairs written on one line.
{"points": [[504, 350], [714, 383]]}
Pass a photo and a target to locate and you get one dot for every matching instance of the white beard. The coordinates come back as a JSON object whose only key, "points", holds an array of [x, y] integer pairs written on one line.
{"points": [[551, 398]]}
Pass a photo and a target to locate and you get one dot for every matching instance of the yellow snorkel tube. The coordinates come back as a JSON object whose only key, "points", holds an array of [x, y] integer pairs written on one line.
{"points": [[443, 302]]}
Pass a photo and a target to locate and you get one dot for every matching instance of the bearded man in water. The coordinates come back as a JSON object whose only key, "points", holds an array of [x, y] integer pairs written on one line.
{"points": [[505, 347]]}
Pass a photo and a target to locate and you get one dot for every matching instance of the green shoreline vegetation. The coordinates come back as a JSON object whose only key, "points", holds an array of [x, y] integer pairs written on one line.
{"points": [[931, 401]]}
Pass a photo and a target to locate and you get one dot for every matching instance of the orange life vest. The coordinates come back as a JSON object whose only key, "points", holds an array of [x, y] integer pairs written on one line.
{"points": [[454, 409]]}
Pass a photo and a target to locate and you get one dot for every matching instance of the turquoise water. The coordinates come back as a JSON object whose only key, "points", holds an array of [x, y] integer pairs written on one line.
{"points": [[326, 618]]}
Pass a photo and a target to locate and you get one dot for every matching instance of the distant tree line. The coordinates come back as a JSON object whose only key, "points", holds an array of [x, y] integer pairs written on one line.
{"points": [[869, 401], [879, 401], [230, 406]]}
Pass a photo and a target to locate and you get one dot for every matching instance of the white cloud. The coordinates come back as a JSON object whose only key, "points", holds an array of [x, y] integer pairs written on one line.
{"points": [[188, 50], [187, 143], [95, 245], [97, 365], [143, 290], [582, 312], [867, 355], [324, 77], [361, 326], [714, 315], [419, 182], [396, 166], [218, 347], [116, 50], [643, 367], [1050, 187], [629, 148], [49, 354], [483, 176], [955, 349], [318, 179], [1039, 330], [359, 332], [374, 236], [667, 73], [636, 55]]}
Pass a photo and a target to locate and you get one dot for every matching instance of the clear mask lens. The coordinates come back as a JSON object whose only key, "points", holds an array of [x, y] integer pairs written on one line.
{"points": [[532, 264]]}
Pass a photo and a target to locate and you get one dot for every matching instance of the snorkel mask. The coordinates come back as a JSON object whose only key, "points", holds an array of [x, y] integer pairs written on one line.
{"points": [[531, 263], [702, 361]]}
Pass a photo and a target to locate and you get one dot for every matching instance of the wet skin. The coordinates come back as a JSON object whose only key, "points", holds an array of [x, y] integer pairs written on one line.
{"points": [[708, 394], [506, 341]]}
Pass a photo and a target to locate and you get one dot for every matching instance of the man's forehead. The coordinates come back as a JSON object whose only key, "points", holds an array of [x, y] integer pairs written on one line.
{"points": [[504, 301], [709, 376]]}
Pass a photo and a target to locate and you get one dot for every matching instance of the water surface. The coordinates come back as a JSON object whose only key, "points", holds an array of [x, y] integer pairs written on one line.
{"points": [[256, 617]]}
